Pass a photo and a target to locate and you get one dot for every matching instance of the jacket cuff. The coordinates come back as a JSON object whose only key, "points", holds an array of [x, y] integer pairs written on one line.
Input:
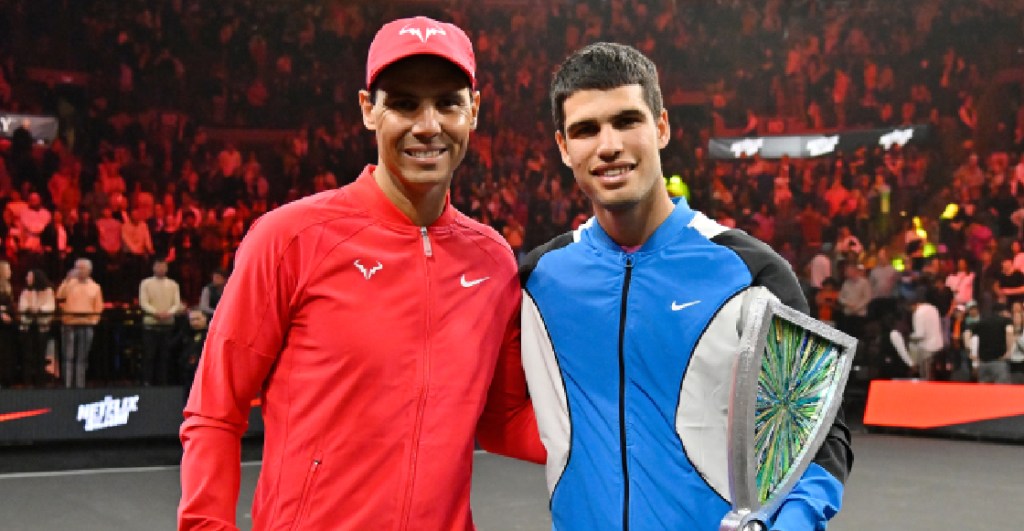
{"points": [[815, 499]]}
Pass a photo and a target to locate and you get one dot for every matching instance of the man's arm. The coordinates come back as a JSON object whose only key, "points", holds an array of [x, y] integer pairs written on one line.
{"points": [[97, 306], [176, 305], [240, 352], [62, 290], [228, 378], [60, 296], [896, 338], [508, 425]]}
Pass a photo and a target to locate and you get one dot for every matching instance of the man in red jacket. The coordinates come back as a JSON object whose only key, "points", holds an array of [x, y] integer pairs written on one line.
{"points": [[371, 320]]}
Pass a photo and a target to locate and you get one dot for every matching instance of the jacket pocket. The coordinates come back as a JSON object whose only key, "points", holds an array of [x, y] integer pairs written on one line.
{"points": [[307, 492]]}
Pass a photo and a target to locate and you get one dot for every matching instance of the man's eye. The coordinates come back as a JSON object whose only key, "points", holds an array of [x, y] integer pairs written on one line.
{"points": [[626, 122], [449, 103], [583, 131], [403, 105]]}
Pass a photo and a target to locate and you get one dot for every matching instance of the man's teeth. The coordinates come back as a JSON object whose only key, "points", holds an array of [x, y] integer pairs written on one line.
{"points": [[425, 154], [615, 172]]}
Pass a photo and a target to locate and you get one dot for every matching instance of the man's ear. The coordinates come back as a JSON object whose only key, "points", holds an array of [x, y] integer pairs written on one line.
{"points": [[366, 107], [560, 140], [475, 95], [664, 131]]}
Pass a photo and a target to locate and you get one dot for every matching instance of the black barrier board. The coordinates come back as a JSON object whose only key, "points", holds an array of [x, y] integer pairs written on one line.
{"points": [[33, 415]]}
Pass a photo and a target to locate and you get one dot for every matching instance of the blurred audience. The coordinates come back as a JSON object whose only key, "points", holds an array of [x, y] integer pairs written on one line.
{"points": [[184, 121]]}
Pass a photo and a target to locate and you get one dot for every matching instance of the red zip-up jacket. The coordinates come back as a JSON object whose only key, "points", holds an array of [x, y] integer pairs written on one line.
{"points": [[373, 344]]}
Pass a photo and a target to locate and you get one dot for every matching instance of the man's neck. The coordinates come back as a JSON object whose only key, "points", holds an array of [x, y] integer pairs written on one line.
{"points": [[421, 205], [632, 227]]}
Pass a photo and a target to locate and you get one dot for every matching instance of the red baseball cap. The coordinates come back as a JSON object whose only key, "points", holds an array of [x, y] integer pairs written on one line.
{"points": [[407, 37]]}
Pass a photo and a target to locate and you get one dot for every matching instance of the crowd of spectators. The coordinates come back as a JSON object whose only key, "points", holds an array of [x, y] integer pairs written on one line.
{"points": [[150, 163]]}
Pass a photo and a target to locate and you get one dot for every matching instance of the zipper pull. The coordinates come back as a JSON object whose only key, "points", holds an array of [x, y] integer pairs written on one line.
{"points": [[427, 249]]}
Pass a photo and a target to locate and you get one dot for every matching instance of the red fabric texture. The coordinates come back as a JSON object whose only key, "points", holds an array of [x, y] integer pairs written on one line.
{"points": [[372, 376]]}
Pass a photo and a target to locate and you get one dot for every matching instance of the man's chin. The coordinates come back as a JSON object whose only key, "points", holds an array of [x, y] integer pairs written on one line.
{"points": [[617, 204], [420, 177]]}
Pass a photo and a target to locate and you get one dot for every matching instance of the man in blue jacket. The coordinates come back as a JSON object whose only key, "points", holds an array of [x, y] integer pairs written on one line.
{"points": [[631, 325]]}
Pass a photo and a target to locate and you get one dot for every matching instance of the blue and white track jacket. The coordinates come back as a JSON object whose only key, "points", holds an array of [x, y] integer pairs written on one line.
{"points": [[629, 362]]}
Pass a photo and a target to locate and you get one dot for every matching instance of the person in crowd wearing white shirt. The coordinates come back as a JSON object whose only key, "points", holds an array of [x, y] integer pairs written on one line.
{"points": [[820, 267], [35, 309], [160, 300], [926, 335], [961, 282]]}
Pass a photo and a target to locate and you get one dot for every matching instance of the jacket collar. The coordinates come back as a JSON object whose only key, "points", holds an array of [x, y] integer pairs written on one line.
{"points": [[372, 198], [665, 234]]}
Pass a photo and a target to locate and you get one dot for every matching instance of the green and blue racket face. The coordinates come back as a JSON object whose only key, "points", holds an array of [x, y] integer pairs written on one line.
{"points": [[797, 379]]}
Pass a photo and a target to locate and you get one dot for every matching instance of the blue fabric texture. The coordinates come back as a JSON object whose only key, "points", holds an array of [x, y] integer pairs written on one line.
{"points": [[677, 282]]}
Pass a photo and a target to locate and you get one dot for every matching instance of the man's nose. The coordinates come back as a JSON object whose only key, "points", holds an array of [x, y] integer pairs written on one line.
{"points": [[609, 143], [427, 122]]}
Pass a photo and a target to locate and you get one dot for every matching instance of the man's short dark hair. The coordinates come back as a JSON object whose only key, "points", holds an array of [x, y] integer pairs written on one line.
{"points": [[604, 66]]}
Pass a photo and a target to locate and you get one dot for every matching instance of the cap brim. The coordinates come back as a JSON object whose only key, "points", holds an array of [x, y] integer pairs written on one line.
{"points": [[465, 70]]}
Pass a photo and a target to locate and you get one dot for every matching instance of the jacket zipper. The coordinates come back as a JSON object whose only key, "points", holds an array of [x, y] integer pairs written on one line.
{"points": [[622, 395], [307, 492], [428, 253], [427, 249]]}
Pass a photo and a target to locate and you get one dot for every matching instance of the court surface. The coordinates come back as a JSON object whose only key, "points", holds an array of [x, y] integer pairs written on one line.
{"points": [[903, 483]]}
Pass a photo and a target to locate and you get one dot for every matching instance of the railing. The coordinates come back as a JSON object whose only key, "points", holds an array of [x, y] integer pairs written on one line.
{"points": [[115, 356]]}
